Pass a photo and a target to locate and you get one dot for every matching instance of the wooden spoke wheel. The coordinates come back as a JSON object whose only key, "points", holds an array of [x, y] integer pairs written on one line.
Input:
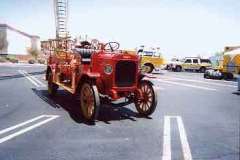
{"points": [[90, 102], [52, 87], [147, 104]]}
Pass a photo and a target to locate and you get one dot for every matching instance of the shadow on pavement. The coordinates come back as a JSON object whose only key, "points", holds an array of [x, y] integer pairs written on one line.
{"points": [[68, 102], [20, 75], [236, 93]]}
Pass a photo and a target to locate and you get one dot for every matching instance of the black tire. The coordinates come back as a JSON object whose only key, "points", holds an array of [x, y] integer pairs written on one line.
{"points": [[205, 76], [89, 101], [150, 66], [230, 76], [202, 70], [178, 69], [52, 87], [146, 106]]}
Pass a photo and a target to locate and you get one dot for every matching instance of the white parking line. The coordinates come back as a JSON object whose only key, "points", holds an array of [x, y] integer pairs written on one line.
{"points": [[166, 139], [39, 82], [210, 80], [22, 131], [167, 155], [204, 82], [187, 85], [20, 125], [32, 79], [183, 136]]}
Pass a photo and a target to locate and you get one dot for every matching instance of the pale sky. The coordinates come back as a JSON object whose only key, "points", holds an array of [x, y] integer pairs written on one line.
{"points": [[180, 28]]}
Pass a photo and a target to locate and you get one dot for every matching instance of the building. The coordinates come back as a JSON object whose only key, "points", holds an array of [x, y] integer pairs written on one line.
{"points": [[14, 41]]}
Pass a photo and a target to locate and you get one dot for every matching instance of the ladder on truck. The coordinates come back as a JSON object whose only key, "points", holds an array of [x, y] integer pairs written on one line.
{"points": [[61, 18]]}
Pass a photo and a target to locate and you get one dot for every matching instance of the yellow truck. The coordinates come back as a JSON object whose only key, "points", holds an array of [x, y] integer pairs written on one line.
{"points": [[231, 63], [151, 59]]}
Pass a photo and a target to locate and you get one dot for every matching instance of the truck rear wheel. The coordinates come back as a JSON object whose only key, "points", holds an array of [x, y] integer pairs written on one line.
{"points": [[89, 101], [148, 68], [147, 105], [52, 87]]}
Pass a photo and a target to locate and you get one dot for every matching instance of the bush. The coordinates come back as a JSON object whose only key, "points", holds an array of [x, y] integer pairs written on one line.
{"points": [[41, 61], [12, 59], [31, 61], [2, 59], [33, 52]]}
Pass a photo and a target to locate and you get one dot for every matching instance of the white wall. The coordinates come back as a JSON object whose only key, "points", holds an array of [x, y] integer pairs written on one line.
{"points": [[17, 43]]}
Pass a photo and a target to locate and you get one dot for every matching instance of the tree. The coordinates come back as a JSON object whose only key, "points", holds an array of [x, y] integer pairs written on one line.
{"points": [[33, 52], [3, 42], [219, 54]]}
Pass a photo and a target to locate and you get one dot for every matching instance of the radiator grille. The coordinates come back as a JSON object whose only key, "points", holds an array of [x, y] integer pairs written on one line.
{"points": [[125, 73]]}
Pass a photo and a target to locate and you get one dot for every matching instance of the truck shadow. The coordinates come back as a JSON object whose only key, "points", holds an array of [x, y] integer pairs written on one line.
{"points": [[107, 113]]}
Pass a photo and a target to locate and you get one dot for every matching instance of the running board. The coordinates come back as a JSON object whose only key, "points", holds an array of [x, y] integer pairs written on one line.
{"points": [[69, 89]]}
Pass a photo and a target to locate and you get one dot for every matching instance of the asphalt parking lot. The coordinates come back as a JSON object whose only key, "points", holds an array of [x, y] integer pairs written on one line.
{"points": [[195, 119]]}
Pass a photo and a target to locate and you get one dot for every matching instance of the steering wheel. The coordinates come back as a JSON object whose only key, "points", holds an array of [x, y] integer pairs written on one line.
{"points": [[112, 46]]}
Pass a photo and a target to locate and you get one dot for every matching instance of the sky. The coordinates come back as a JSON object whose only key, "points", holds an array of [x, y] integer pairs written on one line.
{"points": [[179, 28]]}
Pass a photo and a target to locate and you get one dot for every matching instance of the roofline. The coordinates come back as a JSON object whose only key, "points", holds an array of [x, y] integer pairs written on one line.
{"points": [[18, 31]]}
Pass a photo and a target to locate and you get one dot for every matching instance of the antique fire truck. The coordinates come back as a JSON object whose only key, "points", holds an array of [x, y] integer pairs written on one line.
{"points": [[96, 73]]}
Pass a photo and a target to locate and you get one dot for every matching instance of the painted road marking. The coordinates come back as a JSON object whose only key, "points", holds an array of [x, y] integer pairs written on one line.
{"points": [[32, 79], [183, 137], [38, 81], [204, 82], [187, 85], [167, 155], [212, 80], [166, 139], [24, 130]]}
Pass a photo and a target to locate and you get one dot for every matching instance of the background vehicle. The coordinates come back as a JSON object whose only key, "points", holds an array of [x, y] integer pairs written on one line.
{"points": [[174, 64], [231, 64], [192, 63], [151, 59], [228, 64]]}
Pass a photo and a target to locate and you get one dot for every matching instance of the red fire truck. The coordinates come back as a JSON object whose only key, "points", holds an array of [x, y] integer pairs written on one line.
{"points": [[97, 72]]}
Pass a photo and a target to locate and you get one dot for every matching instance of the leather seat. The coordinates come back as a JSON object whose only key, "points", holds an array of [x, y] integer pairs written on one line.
{"points": [[85, 54]]}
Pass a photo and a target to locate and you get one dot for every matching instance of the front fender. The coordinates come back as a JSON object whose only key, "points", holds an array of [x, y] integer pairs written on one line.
{"points": [[142, 75]]}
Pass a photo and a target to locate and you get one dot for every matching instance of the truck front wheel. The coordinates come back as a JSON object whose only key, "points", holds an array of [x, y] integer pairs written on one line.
{"points": [[89, 101], [146, 105], [202, 70], [178, 69]]}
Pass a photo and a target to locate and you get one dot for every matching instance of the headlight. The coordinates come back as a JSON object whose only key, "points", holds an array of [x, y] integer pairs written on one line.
{"points": [[108, 69]]}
